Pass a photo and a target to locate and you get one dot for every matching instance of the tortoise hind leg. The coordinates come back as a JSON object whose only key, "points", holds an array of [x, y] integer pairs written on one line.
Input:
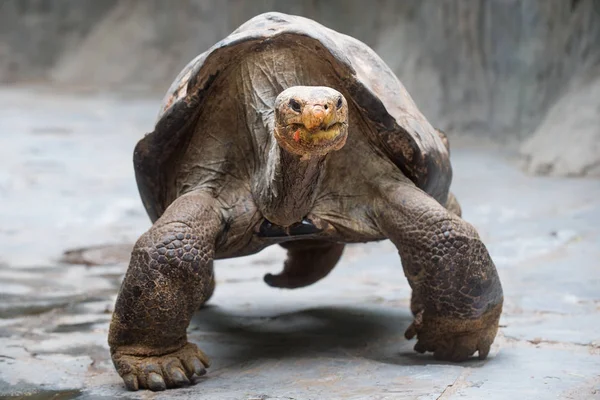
{"points": [[308, 261]]}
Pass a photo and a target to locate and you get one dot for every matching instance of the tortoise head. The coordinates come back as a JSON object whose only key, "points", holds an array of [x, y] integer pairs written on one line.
{"points": [[311, 120]]}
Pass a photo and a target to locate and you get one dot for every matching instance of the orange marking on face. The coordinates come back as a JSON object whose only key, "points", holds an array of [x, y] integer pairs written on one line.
{"points": [[297, 135]]}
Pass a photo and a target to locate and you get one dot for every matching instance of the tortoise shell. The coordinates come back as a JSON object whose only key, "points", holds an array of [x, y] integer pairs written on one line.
{"points": [[397, 127]]}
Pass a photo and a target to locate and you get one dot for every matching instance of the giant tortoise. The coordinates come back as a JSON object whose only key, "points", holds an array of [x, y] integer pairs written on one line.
{"points": [[287, 132]]}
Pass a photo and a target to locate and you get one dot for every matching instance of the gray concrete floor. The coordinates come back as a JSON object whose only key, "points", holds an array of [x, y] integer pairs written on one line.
{"points": [[67, 181]]}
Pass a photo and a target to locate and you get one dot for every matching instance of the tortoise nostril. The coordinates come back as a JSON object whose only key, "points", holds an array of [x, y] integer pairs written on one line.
{"points": [[325, 106]]}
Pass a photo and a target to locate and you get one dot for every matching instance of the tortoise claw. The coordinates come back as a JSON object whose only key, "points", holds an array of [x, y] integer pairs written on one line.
{"points": [[455, 340], [158, 373]]}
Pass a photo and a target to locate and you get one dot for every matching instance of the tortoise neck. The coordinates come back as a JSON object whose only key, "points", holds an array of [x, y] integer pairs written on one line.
{"points": [[290, 187]]}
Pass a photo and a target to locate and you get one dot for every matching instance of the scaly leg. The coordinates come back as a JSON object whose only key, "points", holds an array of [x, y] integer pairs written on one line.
{"points": [[170, 275], [457, 296]]}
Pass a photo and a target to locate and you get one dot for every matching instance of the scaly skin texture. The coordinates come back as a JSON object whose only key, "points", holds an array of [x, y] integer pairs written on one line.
{"points": [[457, 296], [170, 275]]}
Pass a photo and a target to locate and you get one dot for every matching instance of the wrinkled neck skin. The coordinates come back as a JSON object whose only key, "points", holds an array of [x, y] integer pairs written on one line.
{"points": [[283, 186], [289, 185]]}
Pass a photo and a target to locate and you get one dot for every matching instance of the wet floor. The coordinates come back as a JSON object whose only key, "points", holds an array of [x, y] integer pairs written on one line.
{"points": [[66, 184]]}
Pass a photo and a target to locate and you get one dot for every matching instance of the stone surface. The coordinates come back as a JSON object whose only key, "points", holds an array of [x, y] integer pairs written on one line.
{"points": [[67, 182]]}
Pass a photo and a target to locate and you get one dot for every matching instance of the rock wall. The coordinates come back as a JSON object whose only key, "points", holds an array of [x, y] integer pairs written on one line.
{"points": [[36, 35], [567, 141], [487, 67]]}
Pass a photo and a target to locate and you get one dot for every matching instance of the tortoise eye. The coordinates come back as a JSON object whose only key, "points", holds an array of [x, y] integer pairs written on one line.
{"points": [[339, 103], [294, 105]]}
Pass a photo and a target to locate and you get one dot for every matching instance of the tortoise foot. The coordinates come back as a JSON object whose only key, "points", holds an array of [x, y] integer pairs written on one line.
{"points": [[171, 370], [452, 339], [283, 281]]}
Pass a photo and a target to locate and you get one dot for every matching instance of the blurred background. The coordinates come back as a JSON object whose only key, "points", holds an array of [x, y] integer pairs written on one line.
{"points": [[514, 71], [514, 83]]}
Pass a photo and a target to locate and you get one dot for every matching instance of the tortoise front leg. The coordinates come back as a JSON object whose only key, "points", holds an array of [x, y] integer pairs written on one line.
{"points": [[457, 296], [170, 275]]}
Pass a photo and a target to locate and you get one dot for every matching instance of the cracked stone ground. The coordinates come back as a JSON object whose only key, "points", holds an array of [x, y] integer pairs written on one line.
{"points": [[67, 182]]}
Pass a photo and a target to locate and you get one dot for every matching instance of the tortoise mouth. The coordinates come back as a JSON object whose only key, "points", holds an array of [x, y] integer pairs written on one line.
{"points": [[318, 135], [298, 139]]}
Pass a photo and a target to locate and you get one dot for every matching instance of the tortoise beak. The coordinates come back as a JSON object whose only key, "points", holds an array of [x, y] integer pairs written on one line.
{"points": [[315, 116]]}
